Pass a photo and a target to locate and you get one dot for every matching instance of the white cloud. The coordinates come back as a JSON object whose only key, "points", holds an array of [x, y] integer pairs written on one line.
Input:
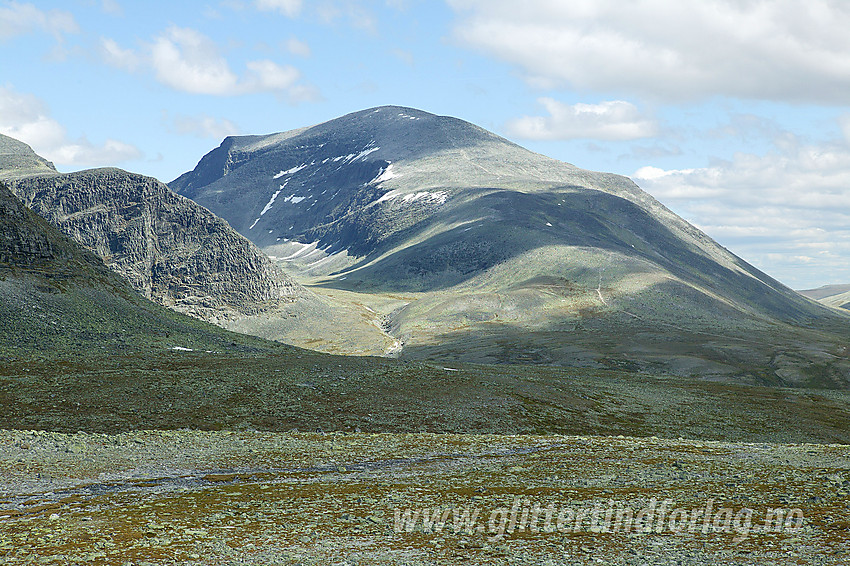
{"points": [[789, 203], [608, 120], [298, 47], [290, 8], [116, 56], [204, 126], [26, 118], [111, 7], [790, 50], [20, 19], [82, 152], [268, 75], [189, 61]]}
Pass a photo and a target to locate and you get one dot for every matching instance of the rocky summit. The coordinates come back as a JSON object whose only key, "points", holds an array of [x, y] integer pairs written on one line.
{"points": [[468, 247]]}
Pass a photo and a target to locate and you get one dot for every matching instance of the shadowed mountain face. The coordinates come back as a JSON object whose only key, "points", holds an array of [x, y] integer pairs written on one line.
{"points": [[470, 247]]}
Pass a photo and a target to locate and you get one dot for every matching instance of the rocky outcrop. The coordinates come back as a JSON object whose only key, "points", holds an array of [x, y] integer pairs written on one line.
{"points": [[22, 244], [171, 250], [180, 255]]}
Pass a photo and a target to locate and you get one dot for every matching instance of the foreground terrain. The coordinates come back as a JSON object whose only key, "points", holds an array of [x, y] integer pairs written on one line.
{"points": [[188, 497], [280, 390]]}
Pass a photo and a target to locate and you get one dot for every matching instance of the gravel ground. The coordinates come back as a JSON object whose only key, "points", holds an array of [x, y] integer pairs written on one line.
{"points": [[190, 497]]}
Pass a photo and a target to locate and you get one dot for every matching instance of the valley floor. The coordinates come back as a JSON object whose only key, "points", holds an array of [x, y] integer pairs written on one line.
{"points": [[192, 497]]}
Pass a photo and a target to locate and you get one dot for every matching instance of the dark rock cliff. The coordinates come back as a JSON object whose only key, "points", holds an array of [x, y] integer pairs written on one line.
{"points": [[171, 250]]}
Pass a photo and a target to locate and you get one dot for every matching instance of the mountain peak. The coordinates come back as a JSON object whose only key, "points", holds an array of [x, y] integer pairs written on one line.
{"points": [[404, 132], [391, 133]]}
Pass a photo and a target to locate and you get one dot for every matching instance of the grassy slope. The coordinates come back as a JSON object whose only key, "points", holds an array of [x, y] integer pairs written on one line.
{"points": [[309, 391]]}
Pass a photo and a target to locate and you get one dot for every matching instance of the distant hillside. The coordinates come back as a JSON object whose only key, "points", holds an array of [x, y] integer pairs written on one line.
{"points": [[469, 247], [831, 295]]}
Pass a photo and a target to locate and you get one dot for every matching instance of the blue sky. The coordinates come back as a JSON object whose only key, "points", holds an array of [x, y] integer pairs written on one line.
{"points": [[733, 113]]}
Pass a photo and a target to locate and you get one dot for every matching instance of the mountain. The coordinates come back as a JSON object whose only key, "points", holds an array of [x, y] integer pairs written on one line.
{"points": [[469, 247], [179, 254], [171, 250], [58, 299], [831, 295]]}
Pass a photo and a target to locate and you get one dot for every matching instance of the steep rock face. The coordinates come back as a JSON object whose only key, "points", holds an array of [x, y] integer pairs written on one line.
{"points": [[171, 250], [24, 242], [324, 183]]}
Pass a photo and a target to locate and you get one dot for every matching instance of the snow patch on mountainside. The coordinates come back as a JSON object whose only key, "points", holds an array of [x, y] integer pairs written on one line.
{"points": [[291, 171], [271, 201], [365, 152], [294, 199], [309, 248], [388, 196], [385, 175], [436, 197]]}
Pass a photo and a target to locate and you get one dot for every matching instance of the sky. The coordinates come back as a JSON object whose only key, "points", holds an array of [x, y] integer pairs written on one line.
{"points": [[733, 113]]}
